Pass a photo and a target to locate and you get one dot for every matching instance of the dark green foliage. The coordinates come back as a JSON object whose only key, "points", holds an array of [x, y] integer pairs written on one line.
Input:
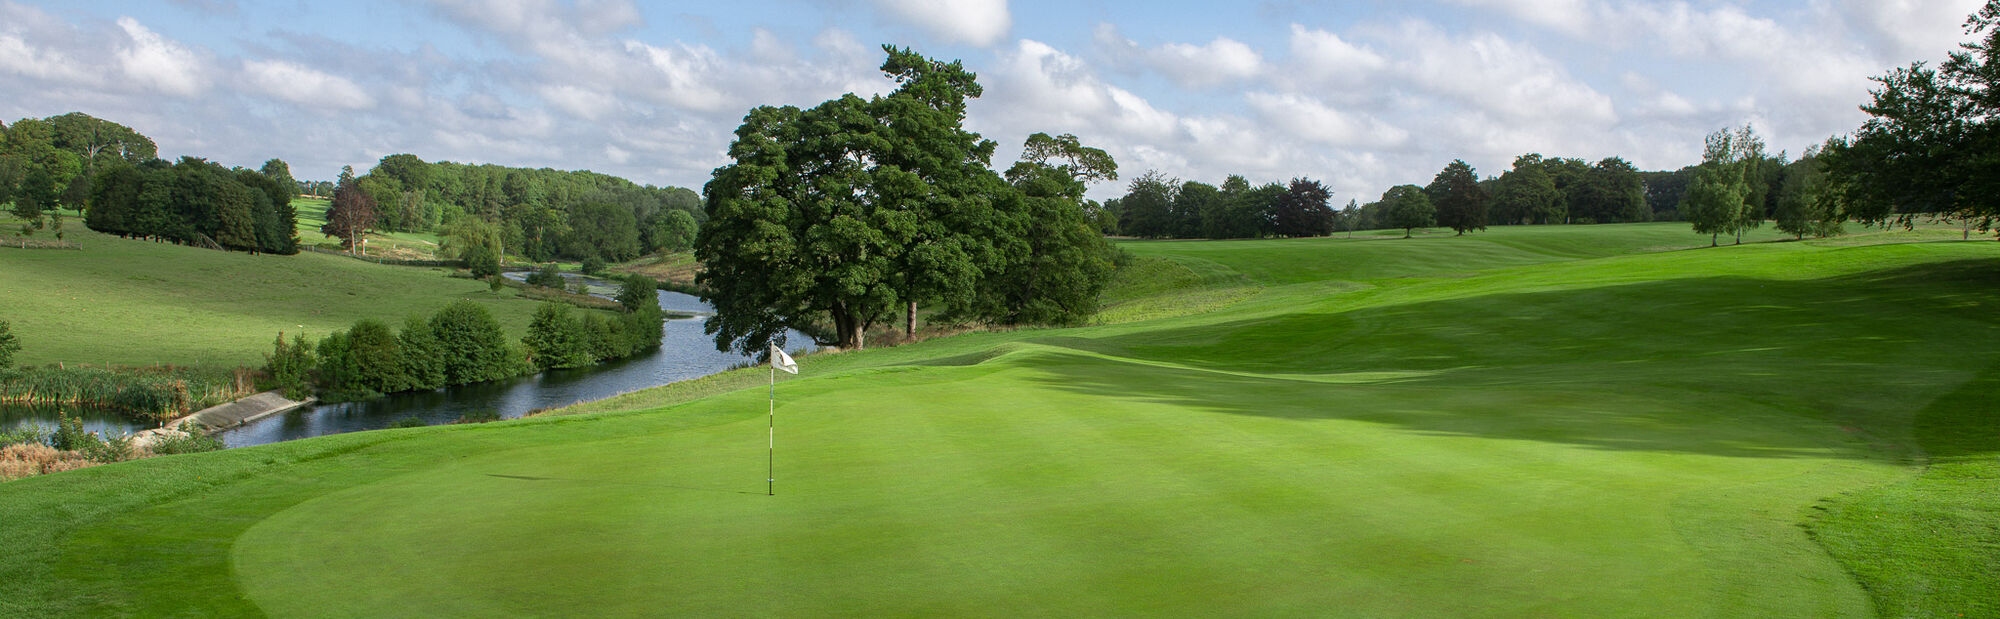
{"points": [[1461, 202], [547, 277], [637, 292], [423, 360], [1928, 145], [674, 231], [290, 366], [70, 435], [472, 346], [1805, 205], [1303, 210], [476, 244], [193, 202], [602, 232], [592, 265], [407, 422], [8, 345], [1409, 208], [1147, 209], [191, 440], [1527, 194], [556, 338]]}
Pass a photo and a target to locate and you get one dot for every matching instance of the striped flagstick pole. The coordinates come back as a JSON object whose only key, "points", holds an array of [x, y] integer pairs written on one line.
{"points": [[771, 425]]}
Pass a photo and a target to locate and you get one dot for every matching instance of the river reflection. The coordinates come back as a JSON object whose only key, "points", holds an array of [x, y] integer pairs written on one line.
{"points": [[684, 353]]}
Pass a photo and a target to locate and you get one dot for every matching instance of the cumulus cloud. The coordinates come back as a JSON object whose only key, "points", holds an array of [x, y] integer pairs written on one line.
{"points": [[152, 60], [977, 22], [1218, 62], [304, 85]]}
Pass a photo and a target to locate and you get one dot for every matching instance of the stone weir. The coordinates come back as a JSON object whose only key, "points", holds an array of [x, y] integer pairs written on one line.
{"points": [[225, 416]]}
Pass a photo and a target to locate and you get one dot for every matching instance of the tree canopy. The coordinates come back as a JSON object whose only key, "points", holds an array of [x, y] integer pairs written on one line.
{"points": [[829, 219]]}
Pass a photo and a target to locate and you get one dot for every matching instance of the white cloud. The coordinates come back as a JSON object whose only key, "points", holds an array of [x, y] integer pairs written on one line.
{"points": [[152, 60], [1325, 57], [1314, 120], [303, 85], [977, 22]]}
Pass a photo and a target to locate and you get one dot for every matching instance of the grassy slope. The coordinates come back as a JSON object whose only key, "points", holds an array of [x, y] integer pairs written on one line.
{"points": [[1510, 430], [138, 302], [311, 214]]}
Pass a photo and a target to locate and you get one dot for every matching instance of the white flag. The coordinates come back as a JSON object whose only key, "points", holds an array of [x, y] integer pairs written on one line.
{"points": [[783, 361]]}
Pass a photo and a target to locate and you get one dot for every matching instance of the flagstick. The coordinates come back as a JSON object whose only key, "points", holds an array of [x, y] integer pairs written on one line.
{"points": [[771, 452]]}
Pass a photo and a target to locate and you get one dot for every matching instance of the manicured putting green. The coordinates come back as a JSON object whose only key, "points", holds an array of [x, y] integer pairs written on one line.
{"points": [[1533, 422]]}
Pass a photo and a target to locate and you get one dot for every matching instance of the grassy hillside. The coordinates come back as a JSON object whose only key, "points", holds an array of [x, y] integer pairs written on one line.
{"points": [[134, 302], [1569, 421]]}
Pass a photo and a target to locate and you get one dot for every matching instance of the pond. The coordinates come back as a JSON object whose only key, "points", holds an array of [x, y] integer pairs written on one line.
{"points": [[684, 353]]}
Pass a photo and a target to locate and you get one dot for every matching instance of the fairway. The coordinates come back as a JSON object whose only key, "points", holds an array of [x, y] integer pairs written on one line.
{"points": [[1548, 421]]}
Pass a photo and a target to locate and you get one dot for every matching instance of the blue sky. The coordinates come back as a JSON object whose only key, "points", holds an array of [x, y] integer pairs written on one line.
{"points": [[1361, 94]]}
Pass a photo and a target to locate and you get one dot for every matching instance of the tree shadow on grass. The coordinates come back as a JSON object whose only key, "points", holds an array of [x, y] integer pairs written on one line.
{"points": [[1725, 366]]}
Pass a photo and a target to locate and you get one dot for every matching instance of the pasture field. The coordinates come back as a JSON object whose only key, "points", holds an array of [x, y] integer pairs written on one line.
{"points": [[311, 214], [1560, 421], [132, 302]]}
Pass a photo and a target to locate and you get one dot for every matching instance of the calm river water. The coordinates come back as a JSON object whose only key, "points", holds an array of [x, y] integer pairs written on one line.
{"points": [[684, 353]]}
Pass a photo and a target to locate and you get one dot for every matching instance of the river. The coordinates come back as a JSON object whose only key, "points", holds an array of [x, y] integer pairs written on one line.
{"points": [[684, 353]]}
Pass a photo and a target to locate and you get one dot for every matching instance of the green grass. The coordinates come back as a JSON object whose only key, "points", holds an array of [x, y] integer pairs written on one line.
{"points": [[1573, 421], [131, 302], [311, 214]]}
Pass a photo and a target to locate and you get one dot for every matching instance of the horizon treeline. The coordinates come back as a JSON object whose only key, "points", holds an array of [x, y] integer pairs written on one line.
{"points": [[540, 214]]}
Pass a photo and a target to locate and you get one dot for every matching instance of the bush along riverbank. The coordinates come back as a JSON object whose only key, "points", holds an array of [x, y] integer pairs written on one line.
{"points": [[460, 344], [28, 451]]}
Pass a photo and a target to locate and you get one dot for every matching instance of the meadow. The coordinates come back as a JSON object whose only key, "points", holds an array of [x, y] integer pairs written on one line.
{"points": [[1567, 421], [132, 302]]}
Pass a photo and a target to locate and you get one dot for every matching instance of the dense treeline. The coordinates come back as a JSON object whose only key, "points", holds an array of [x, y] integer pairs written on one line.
{"points": [[460, 344], [195, 202], [1155, 206], [110, 172], [48, 163], [539, 214], [831, 219]]}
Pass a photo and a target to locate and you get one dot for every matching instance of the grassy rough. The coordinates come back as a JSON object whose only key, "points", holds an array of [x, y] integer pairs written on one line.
{"points": [[183, 305], [1557, 421]]}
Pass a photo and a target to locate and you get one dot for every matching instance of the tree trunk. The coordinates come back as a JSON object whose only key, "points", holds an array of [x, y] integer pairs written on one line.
{"points": [[910, 322], [1713, 239]]}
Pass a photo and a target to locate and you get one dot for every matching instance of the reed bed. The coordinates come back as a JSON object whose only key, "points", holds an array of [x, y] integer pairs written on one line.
{"points": [[155, 394]]}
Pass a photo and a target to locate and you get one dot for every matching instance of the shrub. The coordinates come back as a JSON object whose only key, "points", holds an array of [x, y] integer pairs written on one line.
{"points": [[29, 434], [191, 440], [484, 415], [554, 339], [70, 435], [546, 277], [8, 346], [472, 347], [114, 449], [408, 422], [592, 265], [638, 292], [290, 366]]}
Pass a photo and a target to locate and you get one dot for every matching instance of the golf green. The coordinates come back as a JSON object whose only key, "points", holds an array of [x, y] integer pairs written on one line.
{"points": [[1560, 421]]}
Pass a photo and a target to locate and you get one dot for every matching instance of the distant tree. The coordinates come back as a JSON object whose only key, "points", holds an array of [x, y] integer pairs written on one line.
{"points": [[278, 170], [1350, 217], [1664, 191], [1245, 209], [1302, 210], [290, 366], [351, 215], [1805, 205], [1409, 208], [1527, 194], [547, 277], [8, 345], [1461, 203], [473, 347], [475, 243], [557, 339], [1198, 205], [675, 231], [423, 357], [1713, 201], [602, 230], [1148, 206], [637, 292], [1057, 264]]}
